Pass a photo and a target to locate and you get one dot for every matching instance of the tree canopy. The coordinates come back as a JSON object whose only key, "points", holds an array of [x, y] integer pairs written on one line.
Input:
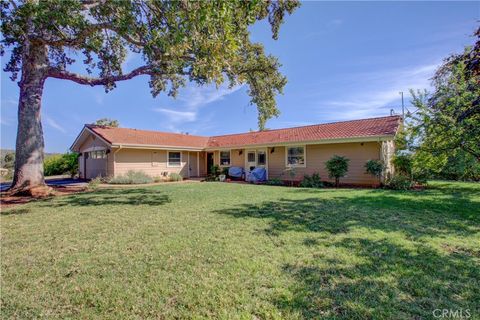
{"points": [[179, 41], [107, 122], [444, 130]]}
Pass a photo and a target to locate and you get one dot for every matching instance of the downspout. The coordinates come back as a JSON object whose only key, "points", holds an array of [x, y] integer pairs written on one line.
{"points": [[115, 159], [383, 159]]}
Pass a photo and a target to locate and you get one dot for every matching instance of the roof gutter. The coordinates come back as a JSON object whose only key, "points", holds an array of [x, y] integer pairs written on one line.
{"points": [[156, 147], [308, 142]]}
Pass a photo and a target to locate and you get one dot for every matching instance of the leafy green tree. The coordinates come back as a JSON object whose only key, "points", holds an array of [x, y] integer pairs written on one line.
{"points": [[61, 164], [9, 160], [198, 41], [70, 163], [403, 164], [107, 122], [444, 132], [337, 167]]}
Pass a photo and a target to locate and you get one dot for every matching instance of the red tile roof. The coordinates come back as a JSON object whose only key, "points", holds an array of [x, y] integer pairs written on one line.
{"points": [[147, 137], [364, 128], [337, 130]]}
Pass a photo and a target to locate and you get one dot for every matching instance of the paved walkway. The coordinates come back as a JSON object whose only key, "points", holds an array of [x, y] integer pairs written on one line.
{"points": [[65, 182]]}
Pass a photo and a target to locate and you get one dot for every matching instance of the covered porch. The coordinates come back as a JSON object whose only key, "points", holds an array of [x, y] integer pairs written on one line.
{"points": [[246, 158]]}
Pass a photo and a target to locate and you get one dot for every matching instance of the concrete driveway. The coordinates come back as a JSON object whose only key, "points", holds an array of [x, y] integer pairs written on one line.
{"points": [[65, 182]]}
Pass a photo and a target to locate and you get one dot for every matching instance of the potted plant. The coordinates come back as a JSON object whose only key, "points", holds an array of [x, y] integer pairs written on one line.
{"points": [[223, 175]]}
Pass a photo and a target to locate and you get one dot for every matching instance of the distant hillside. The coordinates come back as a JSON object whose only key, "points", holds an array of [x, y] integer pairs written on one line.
{"points": [[3, 152]]}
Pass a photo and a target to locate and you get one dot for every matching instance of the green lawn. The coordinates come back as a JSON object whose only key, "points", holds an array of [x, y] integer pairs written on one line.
{"points": [[230, 251]]}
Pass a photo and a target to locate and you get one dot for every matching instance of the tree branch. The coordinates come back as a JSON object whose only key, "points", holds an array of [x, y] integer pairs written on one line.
{"points": [[80, 38], [80, 79]]}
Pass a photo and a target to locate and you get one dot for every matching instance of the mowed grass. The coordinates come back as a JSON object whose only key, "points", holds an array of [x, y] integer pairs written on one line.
{"points": [[230, 251]]}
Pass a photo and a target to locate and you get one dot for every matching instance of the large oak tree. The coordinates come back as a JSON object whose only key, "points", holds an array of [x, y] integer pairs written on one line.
{"points": [[179, 41]]}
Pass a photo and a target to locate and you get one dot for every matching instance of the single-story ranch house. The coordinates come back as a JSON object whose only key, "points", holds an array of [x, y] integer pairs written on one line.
{"points": [[109, 151]]}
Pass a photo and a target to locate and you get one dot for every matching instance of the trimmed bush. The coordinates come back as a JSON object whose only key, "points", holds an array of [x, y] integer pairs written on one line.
{"points": [[158, 179], [312, 181], [375, 168], [337, 168], [175, 177], [94, 183], [400, 182], [131, 177]]}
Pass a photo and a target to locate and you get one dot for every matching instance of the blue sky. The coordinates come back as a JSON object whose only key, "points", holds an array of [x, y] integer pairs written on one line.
{"points": [[343, 60]]}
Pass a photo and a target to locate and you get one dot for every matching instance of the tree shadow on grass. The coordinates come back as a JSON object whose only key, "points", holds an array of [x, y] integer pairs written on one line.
{"points": [[414, 217], [390, 282], [364, 277], [18, 211], [120, 197], [457, 201]]}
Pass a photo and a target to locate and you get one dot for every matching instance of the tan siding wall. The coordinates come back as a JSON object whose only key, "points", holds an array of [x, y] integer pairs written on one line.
{"points": [[110, 164], [276, 163], [318, 154], [92, 141], [236, 159], [141, 160]]}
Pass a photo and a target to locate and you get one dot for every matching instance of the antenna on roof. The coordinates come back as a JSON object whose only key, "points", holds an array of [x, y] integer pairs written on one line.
{"points": [[403, 107]]}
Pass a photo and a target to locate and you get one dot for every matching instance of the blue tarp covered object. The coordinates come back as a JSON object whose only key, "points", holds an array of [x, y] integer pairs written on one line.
{"points": [[236, 172], [257, 175]]}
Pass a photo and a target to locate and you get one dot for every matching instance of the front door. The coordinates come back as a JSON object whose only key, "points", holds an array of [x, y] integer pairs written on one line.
{"points": [[261, 158], [209, 162], [256, 159]]}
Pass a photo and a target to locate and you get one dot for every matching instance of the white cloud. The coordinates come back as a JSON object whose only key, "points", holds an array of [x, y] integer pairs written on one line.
{"points": [[335, 22], [325, 28], [195, 97], [9, 101], [99, 97], [373, 93], [4, 121], [52, 123], [177, 116]]}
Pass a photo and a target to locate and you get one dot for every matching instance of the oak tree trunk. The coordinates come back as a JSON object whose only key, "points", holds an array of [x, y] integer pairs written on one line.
{"points": [[28, 177]]}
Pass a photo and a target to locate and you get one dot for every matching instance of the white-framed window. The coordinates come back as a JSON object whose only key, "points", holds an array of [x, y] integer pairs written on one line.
{"points": [[174, 159], [225, 158], [98, 154], [261, 158], [251, 156], [295, 156]]}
